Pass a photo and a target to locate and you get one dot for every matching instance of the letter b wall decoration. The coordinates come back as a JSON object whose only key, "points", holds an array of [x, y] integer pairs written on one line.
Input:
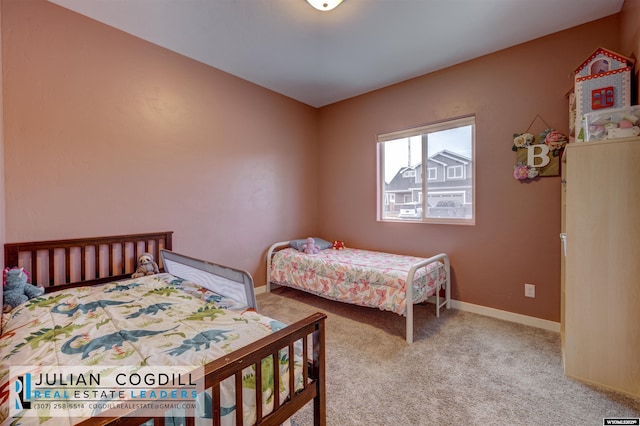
{"points": [[539, 155]]}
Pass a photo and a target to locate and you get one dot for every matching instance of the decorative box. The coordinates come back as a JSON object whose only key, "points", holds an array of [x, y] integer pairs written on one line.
{"points": [[612, 123]]}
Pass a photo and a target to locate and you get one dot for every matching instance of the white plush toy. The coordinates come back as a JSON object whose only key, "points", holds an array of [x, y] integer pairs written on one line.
{"points": [[146, 266]]}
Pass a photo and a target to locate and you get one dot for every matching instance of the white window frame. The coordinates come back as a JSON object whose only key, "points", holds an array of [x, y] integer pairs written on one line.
{"points": [[427, 171]]}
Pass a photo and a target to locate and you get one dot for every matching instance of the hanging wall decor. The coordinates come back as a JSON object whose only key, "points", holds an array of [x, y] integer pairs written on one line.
{"points": [[538, 156]]}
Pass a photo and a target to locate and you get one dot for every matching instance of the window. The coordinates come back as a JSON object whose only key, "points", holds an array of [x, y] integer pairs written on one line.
{"points": [[433, 173], [444, 153], [455, 172], [603, 98]]}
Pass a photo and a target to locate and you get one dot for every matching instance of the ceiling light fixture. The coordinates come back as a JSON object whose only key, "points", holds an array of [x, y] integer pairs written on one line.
{"points": [[324, 5]]}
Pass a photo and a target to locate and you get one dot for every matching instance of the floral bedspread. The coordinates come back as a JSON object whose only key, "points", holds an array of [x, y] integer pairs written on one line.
{"points": [[361, 277], [156, 320]]}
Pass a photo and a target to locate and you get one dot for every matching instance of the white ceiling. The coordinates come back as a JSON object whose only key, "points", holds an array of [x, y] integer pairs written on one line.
{"points": [[322, 57]]}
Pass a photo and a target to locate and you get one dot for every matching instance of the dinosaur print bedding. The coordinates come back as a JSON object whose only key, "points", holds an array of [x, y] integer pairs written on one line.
{"points": [[361, 277], [156, 320]]}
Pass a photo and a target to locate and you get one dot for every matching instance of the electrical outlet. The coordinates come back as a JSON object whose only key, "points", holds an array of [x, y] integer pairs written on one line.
{"points": [[529, 290]]}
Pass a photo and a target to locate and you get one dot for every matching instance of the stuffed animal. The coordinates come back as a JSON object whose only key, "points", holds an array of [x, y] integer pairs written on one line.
{"points": [[146, 266], [16, 288], [338, 245], [310, 247]]}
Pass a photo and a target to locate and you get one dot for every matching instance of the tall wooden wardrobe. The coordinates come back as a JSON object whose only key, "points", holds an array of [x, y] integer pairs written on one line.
{"points": [[601, 271]]}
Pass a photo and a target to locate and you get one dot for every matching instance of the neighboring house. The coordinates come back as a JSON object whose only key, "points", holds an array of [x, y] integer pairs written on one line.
{"points": [[448, 178]]}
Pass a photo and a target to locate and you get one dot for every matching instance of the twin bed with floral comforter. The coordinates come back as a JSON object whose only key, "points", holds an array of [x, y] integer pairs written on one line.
{"points": [[367, 278], [156, 320]]}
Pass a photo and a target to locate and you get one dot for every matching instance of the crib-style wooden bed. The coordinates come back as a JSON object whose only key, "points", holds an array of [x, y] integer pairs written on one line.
{"points": [[386, 281], [249, 369]]}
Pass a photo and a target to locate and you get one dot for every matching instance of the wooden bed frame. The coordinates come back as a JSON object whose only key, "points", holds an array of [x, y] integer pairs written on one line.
{"points": [[89, 258], [439, 301]]}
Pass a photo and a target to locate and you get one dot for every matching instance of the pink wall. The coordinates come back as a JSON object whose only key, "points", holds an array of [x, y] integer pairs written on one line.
{"points": [[515, 240], [108, 134]]}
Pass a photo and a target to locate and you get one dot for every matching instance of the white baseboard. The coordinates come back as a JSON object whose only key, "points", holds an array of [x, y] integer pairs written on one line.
{"points": [[489, 312], [507, 316]]}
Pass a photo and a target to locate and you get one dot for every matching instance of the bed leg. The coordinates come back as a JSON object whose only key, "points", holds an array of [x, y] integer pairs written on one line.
{"points": [[409, 323], [447, 290], [438, 301], [268, 272], [270, 253]]}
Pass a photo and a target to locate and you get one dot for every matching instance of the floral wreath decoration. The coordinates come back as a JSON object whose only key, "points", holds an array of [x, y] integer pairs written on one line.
{"points": [[554, 139]]}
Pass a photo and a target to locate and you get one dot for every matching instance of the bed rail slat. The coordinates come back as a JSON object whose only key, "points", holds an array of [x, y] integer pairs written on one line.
{"points": [[67, 264], [305, 351], [111, 248], [215, 396], [258, 397], [123, 248], [32, 271], [10, 256], [239, 398], [96, 262], [135, 251], [276, 379], [291, 367], [51, 267], [83, 257]]}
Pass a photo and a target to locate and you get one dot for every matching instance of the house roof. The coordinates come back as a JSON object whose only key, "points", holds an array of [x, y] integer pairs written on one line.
{"points": [[453, 155], [602, 51]]}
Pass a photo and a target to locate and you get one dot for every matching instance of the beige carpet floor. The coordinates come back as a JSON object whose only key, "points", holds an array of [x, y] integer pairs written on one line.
{"points": [[462, 369]]}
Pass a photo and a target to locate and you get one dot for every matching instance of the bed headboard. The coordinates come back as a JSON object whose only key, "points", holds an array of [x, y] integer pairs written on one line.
{"points": [[59, 264]]}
